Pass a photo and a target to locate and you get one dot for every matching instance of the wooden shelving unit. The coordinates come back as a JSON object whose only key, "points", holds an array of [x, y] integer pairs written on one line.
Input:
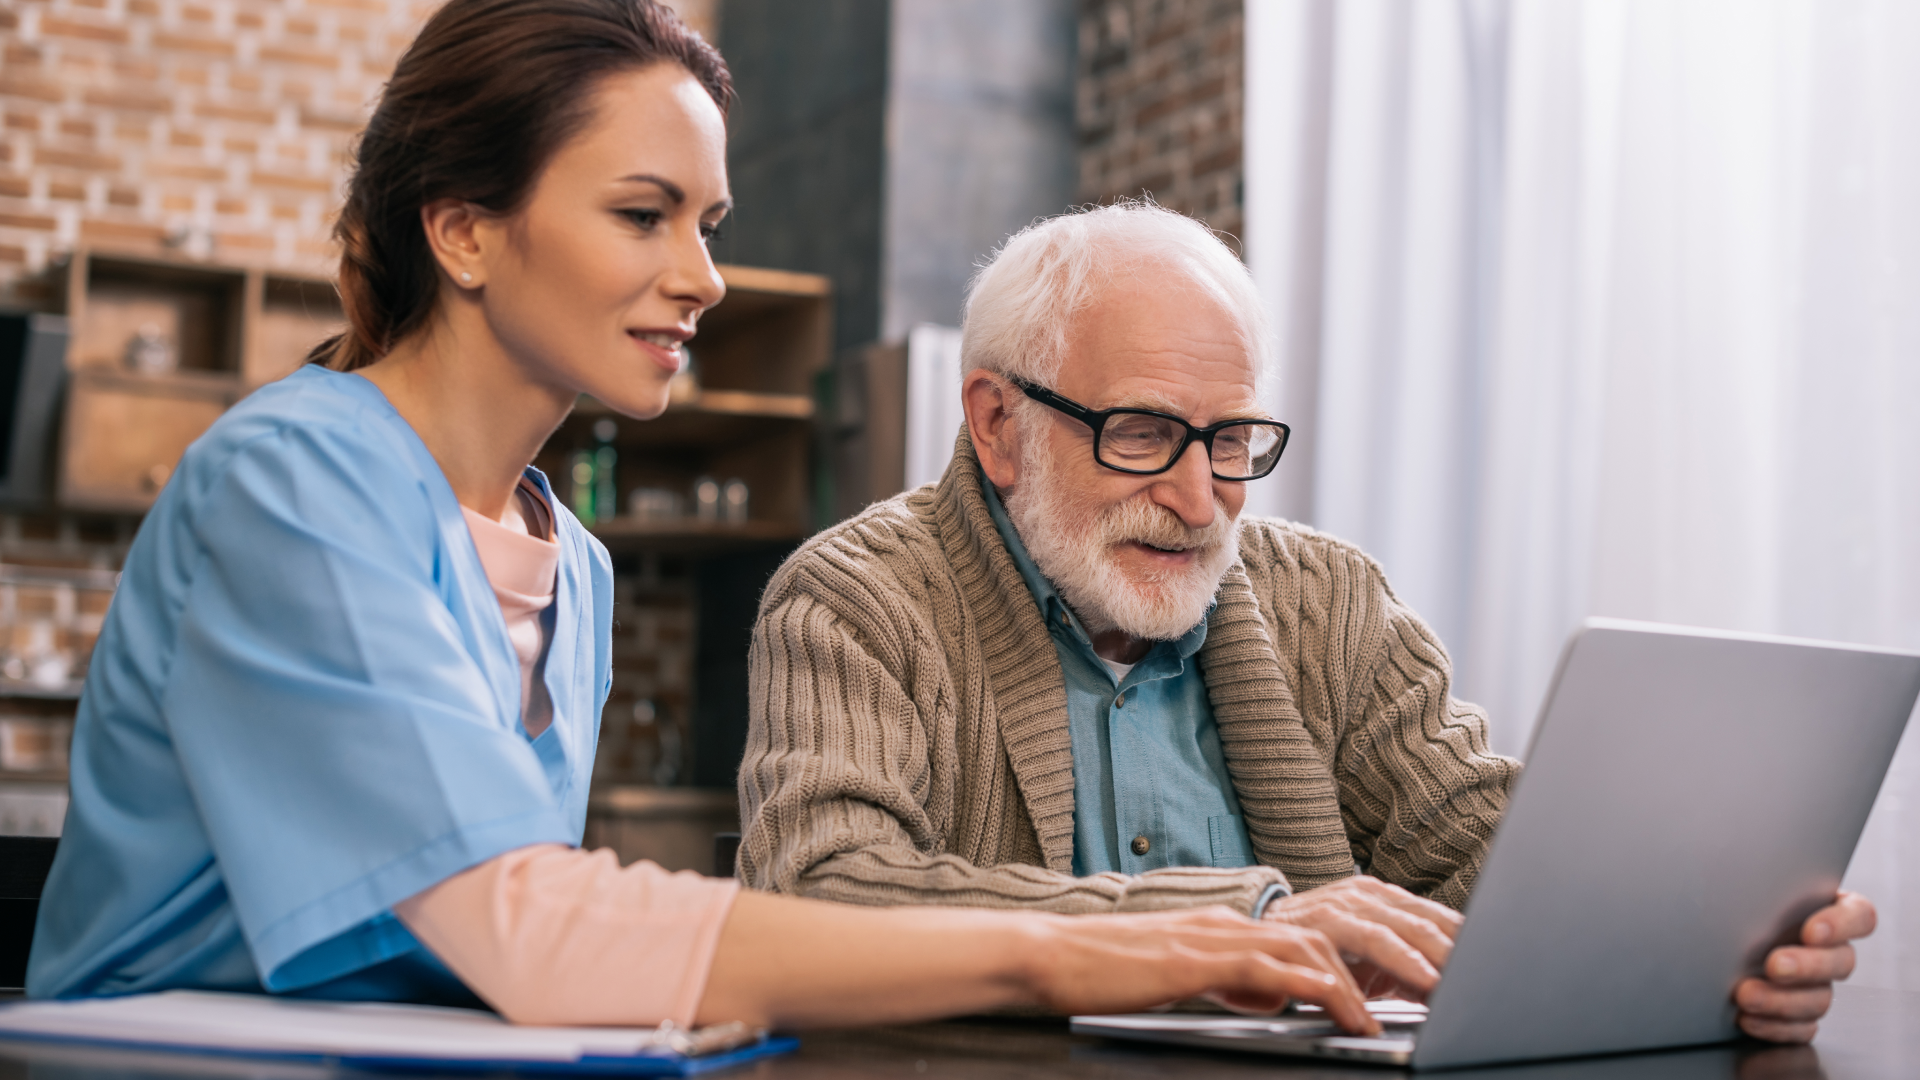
{"points": [[750, 419], [231, 329]]}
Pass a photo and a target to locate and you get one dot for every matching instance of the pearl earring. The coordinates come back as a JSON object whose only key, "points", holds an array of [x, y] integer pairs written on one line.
{"points": [[464, 276]]}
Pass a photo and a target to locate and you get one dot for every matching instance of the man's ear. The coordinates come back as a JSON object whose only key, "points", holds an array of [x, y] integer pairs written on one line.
{"points": [[454, 229], [984, 397]]}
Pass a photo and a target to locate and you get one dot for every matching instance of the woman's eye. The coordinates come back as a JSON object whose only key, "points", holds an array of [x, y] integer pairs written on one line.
{"points": [[712, 232], [646, 219]]}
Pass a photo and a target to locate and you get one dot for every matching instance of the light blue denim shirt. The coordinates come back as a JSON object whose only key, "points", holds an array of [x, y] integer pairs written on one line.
{"points": [[1147, 761]]}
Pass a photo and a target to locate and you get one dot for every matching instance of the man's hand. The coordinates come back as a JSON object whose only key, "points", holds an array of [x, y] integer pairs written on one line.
{"points": [[1798, 987], [1394, 942]]}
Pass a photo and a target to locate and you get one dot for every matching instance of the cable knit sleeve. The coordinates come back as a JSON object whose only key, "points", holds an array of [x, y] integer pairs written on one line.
{"points": [[1420, 793]]}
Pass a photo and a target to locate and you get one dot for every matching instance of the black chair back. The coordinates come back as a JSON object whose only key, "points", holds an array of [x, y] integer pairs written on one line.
{"points": [[726, 850], [24, 863]]}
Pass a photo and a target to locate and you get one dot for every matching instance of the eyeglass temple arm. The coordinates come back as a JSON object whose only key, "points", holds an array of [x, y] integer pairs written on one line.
{"points": [[1047, 397]]}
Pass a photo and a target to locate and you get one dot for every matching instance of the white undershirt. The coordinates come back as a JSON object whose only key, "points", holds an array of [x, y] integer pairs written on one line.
{"points": [[1119, 670]]}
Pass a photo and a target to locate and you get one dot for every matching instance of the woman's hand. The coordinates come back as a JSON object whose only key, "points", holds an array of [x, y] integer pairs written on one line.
{"points": [[1126, 963], [788, 962], [1395, 942]]}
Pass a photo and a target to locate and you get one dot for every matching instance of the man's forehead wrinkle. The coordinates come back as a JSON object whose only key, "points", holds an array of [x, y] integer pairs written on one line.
{"points": [[1244, 410], [1201, 391]]}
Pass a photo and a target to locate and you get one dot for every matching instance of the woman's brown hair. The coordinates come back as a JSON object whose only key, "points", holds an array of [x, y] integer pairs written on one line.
{"points": [[476, 108]]}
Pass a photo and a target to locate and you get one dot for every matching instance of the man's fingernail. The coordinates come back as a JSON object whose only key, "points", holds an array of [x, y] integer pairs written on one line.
{"points": [[1785, 965]]}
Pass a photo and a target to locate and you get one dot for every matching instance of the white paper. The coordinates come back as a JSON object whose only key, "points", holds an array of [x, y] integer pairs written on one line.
{"points": [[257, 1023]]}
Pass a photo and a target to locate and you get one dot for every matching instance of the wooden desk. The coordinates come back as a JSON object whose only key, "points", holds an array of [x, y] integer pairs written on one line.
{"points": [[1871, 1035]]}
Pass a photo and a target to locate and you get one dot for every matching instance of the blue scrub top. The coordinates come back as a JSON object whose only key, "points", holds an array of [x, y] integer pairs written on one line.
{"points": [[304, 708]]}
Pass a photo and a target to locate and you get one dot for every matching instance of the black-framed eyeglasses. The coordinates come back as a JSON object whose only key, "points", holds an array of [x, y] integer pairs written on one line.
{"points": [[1145, 442]]}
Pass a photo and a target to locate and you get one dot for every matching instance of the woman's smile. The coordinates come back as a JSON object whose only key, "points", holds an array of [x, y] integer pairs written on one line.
{"points": [[664, 346]]}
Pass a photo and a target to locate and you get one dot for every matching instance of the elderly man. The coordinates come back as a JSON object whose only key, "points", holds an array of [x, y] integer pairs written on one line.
{"points": [[1069, 676]]}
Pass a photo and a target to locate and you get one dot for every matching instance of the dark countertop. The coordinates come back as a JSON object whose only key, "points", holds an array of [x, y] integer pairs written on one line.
{"points": [[1871, 1035]]}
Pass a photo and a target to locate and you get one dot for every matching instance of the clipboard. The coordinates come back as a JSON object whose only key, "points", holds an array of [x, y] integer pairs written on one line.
{"points": [[378, 1035]]}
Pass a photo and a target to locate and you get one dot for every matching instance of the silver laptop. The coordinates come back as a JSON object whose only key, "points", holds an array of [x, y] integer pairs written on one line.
{"points": [[1689, 798]]}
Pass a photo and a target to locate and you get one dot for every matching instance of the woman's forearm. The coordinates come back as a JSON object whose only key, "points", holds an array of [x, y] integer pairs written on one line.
{"points": [[550, 934], [789, 962], [555, 935], [793, 963]]}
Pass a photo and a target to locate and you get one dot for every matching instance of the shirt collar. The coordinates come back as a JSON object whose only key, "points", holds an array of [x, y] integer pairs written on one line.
{"points": [[1052, 607]]}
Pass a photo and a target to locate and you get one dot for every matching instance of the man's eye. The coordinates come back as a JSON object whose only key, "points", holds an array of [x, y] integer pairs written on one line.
{"points": [[646, 219]]}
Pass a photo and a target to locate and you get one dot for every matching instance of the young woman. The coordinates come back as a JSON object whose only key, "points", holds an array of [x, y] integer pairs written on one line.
{"points": [[338, 731]]}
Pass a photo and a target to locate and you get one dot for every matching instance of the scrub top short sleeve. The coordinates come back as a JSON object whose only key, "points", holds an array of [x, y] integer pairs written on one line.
{"points": [[302, 710]]}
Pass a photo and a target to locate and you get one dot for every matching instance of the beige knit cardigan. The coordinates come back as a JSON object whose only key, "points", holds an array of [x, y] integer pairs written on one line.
{"points": [[908, 740]]}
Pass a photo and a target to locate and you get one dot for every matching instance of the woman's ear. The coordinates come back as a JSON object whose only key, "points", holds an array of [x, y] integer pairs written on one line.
{"points": [[983, 395], [454, 233]]}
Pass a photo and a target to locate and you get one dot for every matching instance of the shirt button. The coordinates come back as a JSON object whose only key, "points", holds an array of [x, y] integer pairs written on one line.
{"points": [[1121, 701], [1141, 845], [1064, 621]]}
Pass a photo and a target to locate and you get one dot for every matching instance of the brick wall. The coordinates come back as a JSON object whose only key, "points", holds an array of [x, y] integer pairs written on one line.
{"points": [[213, 129], [1158, 104]]}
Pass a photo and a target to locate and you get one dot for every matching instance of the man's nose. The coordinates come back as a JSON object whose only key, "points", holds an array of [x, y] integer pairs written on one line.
{"points": [[1187, 488]]}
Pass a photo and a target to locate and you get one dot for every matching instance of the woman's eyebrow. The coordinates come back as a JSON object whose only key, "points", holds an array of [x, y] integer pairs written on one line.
{"points": [[673, 190]]}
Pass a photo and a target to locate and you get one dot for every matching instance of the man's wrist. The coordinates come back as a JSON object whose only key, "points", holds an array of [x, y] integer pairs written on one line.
{"points": [[1274, 893]]}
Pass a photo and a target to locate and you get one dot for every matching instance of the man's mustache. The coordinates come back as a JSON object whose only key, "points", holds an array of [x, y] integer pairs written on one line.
{"points": [[1141, 520]]}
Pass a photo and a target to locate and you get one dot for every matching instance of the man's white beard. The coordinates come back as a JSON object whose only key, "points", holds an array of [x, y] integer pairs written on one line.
{"points": [[1075, 543]]}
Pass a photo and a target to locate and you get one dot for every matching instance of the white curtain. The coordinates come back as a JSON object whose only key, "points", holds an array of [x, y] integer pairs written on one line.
{"points": [[934, 409], [1606, 307]]}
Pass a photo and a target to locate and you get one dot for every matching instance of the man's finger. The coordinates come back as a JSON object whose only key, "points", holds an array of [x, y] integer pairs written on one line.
{"points": [[1379, 945], [1442, 916], [1792, 965], [1780, 1031], [1433, 942], [1768, 1001], [1848, 918]]}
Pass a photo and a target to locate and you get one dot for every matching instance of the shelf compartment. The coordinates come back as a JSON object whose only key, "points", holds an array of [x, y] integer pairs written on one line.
{"points": [[112, 298], [124, 434], [294, 315], [773, 330]]}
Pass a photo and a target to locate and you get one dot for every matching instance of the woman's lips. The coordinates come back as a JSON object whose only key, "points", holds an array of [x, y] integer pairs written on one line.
{"points": [[664, 349]]}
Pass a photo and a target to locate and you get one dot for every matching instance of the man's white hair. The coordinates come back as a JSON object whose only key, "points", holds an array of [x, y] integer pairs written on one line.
{"points": [[1022, 300]]}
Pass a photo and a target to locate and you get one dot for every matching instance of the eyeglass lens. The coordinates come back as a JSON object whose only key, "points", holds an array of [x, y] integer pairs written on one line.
{"points": [[1139, 442]]}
